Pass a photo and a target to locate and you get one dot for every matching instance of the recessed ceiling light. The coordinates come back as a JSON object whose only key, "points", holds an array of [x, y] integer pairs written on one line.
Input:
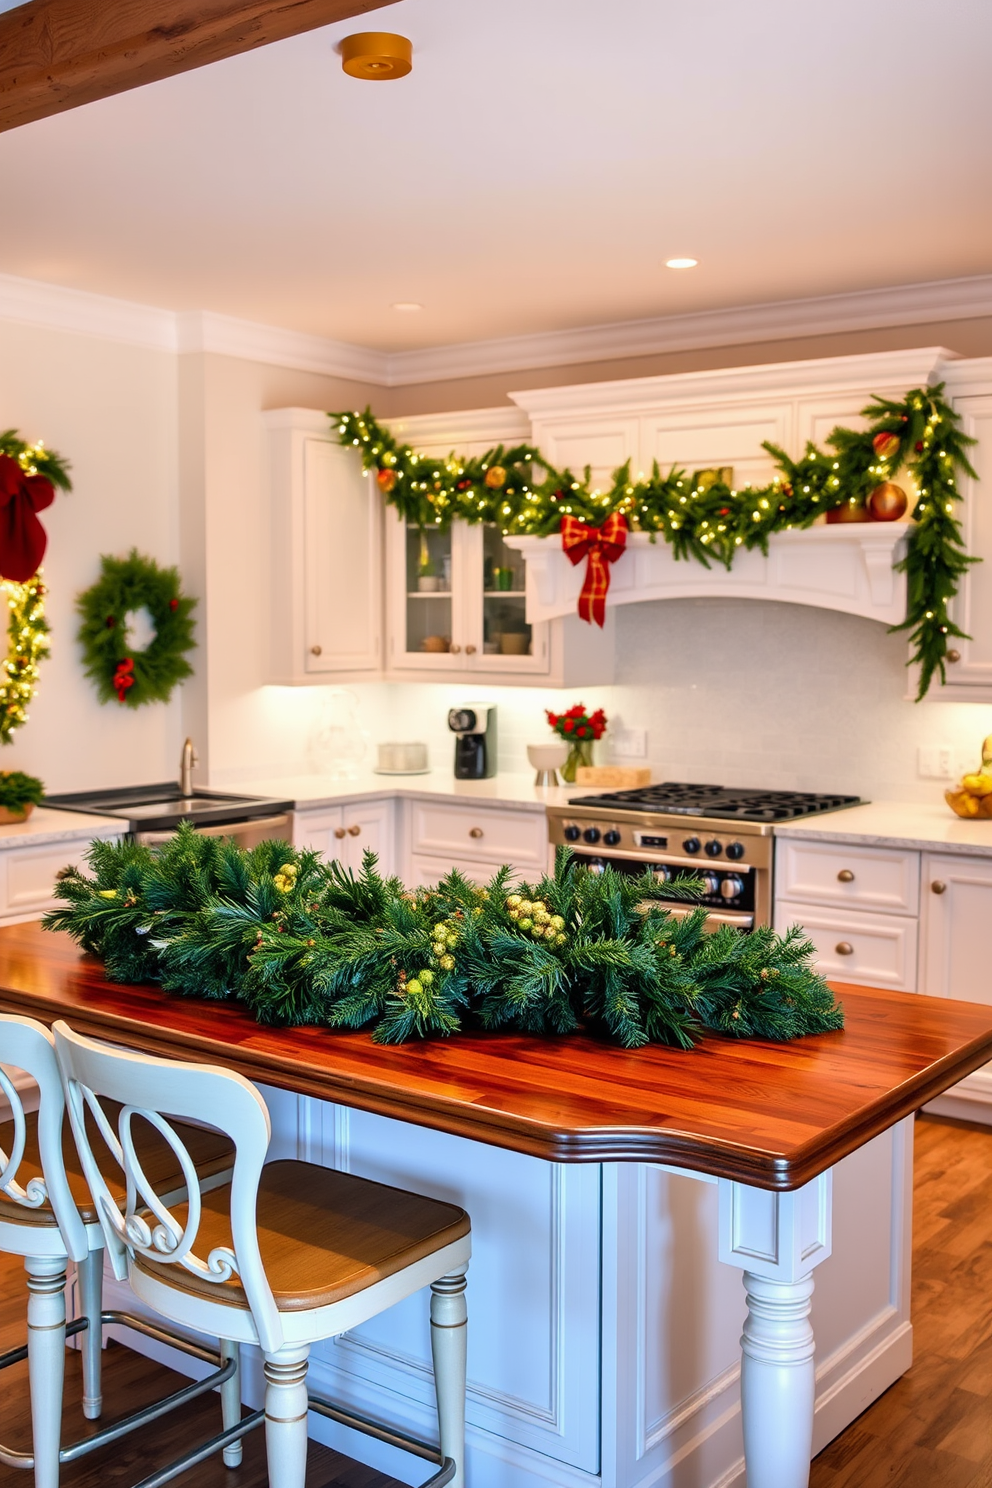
{"points": [[408, 306], [681, 263], [376, 56]]}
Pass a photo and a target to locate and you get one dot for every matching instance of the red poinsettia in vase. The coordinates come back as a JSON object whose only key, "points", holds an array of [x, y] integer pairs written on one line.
{"points": [[580, 730]]}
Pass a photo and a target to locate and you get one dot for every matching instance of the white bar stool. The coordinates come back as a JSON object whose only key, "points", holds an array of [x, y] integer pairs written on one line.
{"points": [[48, 1216], [285, 1255]]}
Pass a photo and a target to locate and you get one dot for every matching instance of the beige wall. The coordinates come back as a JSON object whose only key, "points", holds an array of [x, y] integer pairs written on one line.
{"points": [[111, 410]]}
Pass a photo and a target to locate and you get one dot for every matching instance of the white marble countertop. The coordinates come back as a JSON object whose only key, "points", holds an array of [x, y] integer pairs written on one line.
{"points": [[312, 791], [930, 826], [45, 825]]}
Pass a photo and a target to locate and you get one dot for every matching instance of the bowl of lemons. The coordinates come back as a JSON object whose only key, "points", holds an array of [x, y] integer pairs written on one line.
{"points": [[972, 797]]}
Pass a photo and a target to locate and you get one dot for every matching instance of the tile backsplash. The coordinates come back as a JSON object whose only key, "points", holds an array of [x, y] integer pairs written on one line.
{"points": [[735, 692]]}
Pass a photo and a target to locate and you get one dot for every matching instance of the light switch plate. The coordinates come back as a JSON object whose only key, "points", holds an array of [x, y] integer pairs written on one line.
{"points": [[630, 743]]}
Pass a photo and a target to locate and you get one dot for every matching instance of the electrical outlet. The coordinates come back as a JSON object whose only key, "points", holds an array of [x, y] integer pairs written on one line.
{"points": [[631, 743], [937, 762]]}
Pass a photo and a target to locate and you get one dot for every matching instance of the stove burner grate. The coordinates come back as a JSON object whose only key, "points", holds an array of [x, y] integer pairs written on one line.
{"points": [[676, 798]]}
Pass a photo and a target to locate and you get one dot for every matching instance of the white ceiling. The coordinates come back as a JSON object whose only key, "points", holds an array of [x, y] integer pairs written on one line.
{"points": [[534, 171]]}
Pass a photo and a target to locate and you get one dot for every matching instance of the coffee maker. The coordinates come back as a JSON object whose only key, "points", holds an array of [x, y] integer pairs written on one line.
{"points": [[475, 743]]}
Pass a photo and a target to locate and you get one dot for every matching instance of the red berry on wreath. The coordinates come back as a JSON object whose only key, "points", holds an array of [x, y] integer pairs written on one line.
{"points": [[918, 446], [111, 622], [173, 604]]}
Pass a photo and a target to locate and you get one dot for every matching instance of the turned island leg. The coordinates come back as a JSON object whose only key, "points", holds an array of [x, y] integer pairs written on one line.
{"points": [[777, 1239]]}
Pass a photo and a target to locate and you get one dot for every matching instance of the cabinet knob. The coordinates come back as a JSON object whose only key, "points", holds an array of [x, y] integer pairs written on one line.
{"points": [[845, 876], [475, 832], [339, 832], [316, 650], [844, 948], [454, 649], [938, 886], [354, 831], [469, 650], [952, 655]]}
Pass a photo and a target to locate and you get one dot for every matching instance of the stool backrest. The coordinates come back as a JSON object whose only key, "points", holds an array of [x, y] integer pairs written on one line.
{"points": [[29, 1046], [153, 1090]]}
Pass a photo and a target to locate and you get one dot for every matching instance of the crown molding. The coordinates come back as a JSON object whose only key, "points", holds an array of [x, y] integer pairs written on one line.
{"points": [[883, 372], [224, 335], [30, 302], [911, 304], [54, 308], [500, 425]]}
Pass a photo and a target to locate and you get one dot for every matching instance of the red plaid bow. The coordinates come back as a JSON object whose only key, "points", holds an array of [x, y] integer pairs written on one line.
{"points": [[602, 546], [124, 677], [22, 537]]}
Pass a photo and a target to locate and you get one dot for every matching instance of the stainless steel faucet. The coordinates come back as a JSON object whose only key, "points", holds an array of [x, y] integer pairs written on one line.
{"points": [[189, 759]]}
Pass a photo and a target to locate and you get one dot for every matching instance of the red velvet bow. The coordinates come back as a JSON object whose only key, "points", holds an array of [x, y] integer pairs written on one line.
{"points": [[22, 537], [123, 677], [602, 546]]}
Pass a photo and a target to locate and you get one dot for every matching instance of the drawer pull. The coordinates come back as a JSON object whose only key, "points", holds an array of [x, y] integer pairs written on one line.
{"points": [[454, 649], [952, 655], [475, 832], [844, 948], [339, 832], [469, 650], [316, 650], [938, 886], [845, 876], [354, 831]]}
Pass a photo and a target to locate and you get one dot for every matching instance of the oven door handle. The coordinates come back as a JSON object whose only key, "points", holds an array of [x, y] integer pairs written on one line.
{"points": [[715, 917]]}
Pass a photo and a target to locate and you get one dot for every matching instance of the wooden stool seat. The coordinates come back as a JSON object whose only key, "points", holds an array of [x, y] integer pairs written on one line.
{"points": [[212, 1154], [323, 1236]]}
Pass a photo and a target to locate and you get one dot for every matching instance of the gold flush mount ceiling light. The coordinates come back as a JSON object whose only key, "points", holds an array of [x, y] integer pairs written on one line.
{"points": [[378, 56]]}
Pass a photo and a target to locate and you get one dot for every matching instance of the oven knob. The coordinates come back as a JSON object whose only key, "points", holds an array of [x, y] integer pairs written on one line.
{"points": [[735, 850], [732, 886], [712, 882], [713, 848], [691, 845], [611, 838], [661, 874], [571, 833], [591, 834]]}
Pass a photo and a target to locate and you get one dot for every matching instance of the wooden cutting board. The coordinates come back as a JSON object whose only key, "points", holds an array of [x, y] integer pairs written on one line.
{"points": [[615, 777]]}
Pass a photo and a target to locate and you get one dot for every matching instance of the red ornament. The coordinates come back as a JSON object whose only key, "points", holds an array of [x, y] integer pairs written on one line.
{"points": [[386, 479], [918, 446], [173, 604], [22, 537], [885, 445], [601, 546], [124, 677]]}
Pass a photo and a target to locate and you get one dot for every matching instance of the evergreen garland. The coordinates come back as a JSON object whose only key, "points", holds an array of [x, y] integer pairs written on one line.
{"points": [[27, 646], [36, 459], [520, 491], [135, 677], [299, 940]]}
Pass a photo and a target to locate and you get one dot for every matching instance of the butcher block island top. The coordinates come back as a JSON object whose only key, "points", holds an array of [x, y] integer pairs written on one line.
{"points": [[765, 1114]]}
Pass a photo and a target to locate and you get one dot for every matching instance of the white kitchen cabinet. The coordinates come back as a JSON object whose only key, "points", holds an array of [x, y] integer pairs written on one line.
{"points": [[27, 877], [955, 914], [969, 670], [476, 840], [868, 878], [455, 601], [326, 544], [870, 950], [346, 832]]}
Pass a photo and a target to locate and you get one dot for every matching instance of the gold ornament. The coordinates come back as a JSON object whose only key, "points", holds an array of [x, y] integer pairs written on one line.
{"points": [[387, 480], [495, 477], [851, 511], [887, 503]]}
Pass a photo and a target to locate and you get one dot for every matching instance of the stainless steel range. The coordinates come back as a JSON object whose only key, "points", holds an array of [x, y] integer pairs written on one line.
{"points": [[721, 835]]}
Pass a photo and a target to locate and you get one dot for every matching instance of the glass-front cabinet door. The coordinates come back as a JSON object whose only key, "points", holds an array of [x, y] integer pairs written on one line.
{"points": [[456, 603]]}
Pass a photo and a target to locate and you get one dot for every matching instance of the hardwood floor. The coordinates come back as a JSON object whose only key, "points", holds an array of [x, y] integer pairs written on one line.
{"points": [[933, 1427]]}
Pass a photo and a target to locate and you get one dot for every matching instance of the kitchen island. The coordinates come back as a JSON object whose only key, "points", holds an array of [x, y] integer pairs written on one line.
{"points": [[605, 1312]]}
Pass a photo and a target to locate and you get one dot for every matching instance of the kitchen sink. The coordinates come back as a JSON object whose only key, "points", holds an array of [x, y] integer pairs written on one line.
{"points": [[160, 808]]}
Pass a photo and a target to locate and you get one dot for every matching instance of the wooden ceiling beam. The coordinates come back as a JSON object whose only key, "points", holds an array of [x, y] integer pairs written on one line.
{"points": [[58, 54]]}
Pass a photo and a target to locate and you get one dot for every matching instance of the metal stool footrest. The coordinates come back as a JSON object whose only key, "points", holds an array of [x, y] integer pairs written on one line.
{"points": [[388, 1434]]}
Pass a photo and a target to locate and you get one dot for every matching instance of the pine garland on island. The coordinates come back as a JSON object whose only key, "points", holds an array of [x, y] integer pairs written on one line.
{"points": [[522, 493], [299, 940]]}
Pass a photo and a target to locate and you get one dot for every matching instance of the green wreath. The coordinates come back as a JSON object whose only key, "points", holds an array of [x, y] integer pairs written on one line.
{"points": [[119, 670]]}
